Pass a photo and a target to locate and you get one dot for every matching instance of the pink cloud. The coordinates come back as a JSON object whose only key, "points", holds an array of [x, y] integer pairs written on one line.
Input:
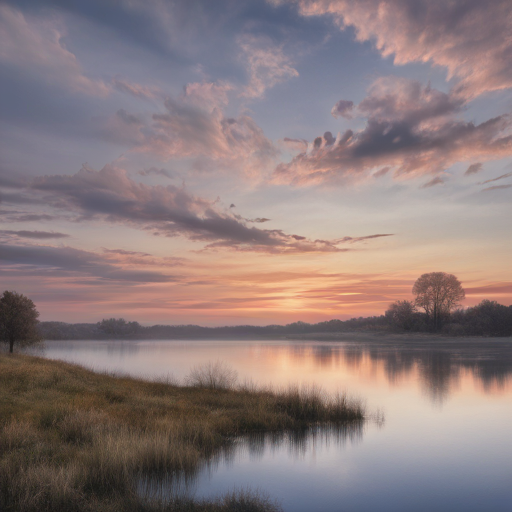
{"points": [[267, 65], [469, 39], [207, 95], [194, 125]]}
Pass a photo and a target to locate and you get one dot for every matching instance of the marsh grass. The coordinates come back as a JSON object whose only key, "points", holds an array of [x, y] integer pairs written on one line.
{"points": [[213, 375], [72, 439]]}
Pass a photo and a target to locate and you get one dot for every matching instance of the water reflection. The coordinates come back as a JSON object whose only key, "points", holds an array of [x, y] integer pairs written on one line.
{"points": [[438, 365], [255, 446]]}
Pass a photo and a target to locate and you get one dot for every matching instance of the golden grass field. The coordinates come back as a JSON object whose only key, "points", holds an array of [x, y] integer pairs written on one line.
{"points": [[75, 440]]}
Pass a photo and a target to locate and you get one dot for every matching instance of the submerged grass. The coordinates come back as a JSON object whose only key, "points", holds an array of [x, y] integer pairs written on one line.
{"points": [[72, 439]]}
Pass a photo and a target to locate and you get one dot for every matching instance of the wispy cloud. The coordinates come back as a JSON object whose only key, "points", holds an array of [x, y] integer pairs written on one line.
{"points": [[267, 65], [503, 176], [496, 187], [356, 239], [171, 211], [19, 216], [156, 172], [37, 48], [207, 95], [42, 258], [136, 89], [195, 126], [437, 180], [38, 235]]}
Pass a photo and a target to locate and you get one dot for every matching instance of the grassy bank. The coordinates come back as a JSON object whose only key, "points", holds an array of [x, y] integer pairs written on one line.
{"points": [[75, 440]]}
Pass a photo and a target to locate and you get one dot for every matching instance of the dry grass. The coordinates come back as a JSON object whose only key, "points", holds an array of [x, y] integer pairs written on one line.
{"points": [[72, 439], [216, 375]]}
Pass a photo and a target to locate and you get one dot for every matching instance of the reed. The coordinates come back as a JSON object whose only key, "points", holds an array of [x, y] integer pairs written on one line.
{"points": [[72, 439]]}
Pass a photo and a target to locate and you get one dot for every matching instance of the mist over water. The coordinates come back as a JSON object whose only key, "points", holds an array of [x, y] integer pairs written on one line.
{"points": [[438, 437]]}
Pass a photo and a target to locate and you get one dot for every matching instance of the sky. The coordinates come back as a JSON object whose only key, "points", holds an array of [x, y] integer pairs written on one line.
{"points": [[252, 161]]}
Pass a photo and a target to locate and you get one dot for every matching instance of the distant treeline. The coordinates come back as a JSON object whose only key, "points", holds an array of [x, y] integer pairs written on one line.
{"points": [[486, 319], [118, 328]]}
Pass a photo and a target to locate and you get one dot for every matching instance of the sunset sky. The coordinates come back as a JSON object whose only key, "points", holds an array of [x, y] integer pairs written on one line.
{"points": [[249, 161]]}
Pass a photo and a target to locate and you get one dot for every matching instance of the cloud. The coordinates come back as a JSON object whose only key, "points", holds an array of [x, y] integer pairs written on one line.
{"points": [[135, 89], [503, 176], [381, 172], [40, 235], [410, 128], [343, 108], [470, 39], [433, 182], [504, 288], [156, 171], [36, 46], [17, 216], [17, 198], [207, 95], [473, 169], [266, 63], [112, 195], [10, 180], [194, 126], [353, 240], [75, 262], [123, 252], [400, 99], [141, 258], [295, 144], [496, 187]]}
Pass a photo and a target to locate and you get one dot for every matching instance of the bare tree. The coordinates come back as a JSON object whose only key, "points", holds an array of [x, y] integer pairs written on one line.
{"points": [[216, 375], [437, 293], [18, 320]]}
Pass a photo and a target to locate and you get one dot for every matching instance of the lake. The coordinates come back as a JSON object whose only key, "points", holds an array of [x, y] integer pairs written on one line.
{"points": [[439, 437]]}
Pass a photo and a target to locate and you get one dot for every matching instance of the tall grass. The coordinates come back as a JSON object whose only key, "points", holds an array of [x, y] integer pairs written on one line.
{"points": [[75, 440], [217, 375]]}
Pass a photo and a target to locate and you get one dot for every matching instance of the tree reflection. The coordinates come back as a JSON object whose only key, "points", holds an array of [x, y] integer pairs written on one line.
{"points": [[438, 364]]}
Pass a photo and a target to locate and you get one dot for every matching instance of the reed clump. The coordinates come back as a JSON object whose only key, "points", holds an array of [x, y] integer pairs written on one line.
{"points": [[75, 440]]}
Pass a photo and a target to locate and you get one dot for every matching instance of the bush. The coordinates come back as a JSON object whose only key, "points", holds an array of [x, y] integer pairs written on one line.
{"points": [[216, 375]]}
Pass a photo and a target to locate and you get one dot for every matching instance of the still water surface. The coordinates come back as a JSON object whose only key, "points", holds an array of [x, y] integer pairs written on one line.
{"points": [[445, 443]]}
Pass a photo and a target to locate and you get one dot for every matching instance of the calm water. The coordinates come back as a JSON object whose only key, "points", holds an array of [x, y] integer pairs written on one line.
{"points": [[445, 443]]}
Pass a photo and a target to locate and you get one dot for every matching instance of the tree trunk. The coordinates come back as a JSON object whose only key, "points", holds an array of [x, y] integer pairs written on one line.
{"points": [[11, 345]]}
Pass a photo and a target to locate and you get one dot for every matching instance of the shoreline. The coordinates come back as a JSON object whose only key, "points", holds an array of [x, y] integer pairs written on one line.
{"points": [[74, 439]]}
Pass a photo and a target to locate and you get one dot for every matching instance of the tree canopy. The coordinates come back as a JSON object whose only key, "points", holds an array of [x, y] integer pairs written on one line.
{"points": [[18, 320], [118, 327], [402, 314], [438, 293]]}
